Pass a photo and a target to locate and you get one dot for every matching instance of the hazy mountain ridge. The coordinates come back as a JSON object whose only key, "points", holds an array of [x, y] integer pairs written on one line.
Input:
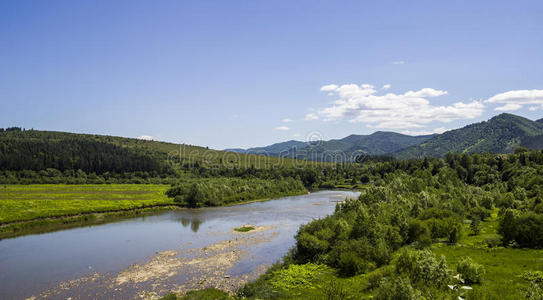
{"points": [[348, 148], [345, 149], [273, 149]]}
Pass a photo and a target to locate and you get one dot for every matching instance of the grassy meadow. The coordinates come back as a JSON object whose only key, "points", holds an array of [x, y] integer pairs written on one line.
{"points": [[30, 202]]}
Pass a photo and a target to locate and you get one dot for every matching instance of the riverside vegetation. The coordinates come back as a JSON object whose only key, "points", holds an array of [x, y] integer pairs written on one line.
{"points": [[465, 226]]}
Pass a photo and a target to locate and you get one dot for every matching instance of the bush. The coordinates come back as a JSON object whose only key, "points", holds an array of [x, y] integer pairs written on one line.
{"points": [[471, 272], [398, 289], [422, 266], [374, 278], [350, 264]]}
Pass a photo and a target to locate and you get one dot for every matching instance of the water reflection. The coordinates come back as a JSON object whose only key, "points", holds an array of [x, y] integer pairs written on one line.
{"points": [[193, 222]]}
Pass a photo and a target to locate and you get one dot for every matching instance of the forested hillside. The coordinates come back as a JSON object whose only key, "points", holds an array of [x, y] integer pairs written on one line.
{"points": [[501, 134], [32, 156]]}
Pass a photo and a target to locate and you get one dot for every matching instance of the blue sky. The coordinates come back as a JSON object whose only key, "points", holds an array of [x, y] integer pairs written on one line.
{"points": [[228, 73]]}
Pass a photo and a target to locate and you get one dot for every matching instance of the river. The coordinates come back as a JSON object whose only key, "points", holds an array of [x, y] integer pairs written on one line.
{"points": [[146, 257]]}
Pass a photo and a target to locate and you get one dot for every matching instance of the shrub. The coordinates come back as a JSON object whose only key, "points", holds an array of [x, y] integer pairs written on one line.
{"points": [[374, 278], [350, 264], [398, 289], [422, 266], [471, 272]]}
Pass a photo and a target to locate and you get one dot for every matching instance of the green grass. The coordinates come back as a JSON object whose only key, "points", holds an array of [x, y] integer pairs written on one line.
{"points": [[31, 202], [504, 266], [244, 228]]}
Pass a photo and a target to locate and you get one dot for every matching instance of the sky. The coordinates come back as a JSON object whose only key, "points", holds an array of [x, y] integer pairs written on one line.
{"points": [[230, 74]]}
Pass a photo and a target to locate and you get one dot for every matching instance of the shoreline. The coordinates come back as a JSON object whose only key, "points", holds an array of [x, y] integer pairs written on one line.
{"points": [[19, 228]]}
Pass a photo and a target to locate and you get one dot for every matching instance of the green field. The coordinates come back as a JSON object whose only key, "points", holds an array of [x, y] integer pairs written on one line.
{"points": [[30, 202], [504, 266]]}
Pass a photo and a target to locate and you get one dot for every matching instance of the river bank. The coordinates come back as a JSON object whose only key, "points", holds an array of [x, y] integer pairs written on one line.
{"points": [[31, 209], [184, 246]]}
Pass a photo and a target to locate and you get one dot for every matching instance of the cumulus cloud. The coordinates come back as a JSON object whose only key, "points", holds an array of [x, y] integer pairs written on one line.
{"points": [[386, 87], [287, 120], [146, 137], [533, 108], [425, 132], [515, 100], [398, 62], [311, 116], [283, 128], [412, 109]]}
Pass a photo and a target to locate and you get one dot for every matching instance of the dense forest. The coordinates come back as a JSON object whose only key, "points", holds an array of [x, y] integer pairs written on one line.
{"points": [[386, 235]]}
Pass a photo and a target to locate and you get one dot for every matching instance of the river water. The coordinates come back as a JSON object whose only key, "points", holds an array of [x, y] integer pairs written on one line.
{"points": [[146, 257]]}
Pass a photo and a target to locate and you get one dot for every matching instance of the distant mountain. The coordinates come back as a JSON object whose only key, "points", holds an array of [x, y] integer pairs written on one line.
{"points": [[501, 134], [273, 150], [540, 120], [348, 148]]}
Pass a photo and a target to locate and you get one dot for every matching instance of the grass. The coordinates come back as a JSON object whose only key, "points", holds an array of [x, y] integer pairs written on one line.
{"points": [[32, 202], [244, 228], [205, 294], [504, 266]]}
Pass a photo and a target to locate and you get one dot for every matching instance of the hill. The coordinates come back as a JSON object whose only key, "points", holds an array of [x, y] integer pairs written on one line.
{"points": [[348, 148], [501, 134], [37, 150], [274, 149]]}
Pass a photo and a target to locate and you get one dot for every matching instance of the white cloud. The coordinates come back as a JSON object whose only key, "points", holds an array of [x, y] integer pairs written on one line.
{"points": [[311, 116], [514, 100], [359, 103], [533, 108], [386, 87], [329, 87], [287, 120], [425, 132], [146, 137], [398, 62], [509, 107], [297, 135], [283, 128]]}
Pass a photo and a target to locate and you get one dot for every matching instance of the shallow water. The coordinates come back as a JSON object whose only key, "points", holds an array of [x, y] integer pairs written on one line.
{"points": [[128, 259]]}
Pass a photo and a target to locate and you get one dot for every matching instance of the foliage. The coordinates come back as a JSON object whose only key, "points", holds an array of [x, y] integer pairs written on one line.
{"points": [[471, 272], [422, 267], [420, 204], [220, 191], [397, 289]]}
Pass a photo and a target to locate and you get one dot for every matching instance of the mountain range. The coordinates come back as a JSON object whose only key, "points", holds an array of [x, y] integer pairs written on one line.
{"points": [[500, 134]]}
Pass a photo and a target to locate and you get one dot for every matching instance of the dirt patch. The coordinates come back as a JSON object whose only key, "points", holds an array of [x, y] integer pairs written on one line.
{"points": [[173, 270]]}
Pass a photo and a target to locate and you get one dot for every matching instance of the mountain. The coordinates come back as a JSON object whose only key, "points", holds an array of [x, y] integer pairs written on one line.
{"points": [[348, 148], [273, 150], [540, 120], [501, 134]]}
